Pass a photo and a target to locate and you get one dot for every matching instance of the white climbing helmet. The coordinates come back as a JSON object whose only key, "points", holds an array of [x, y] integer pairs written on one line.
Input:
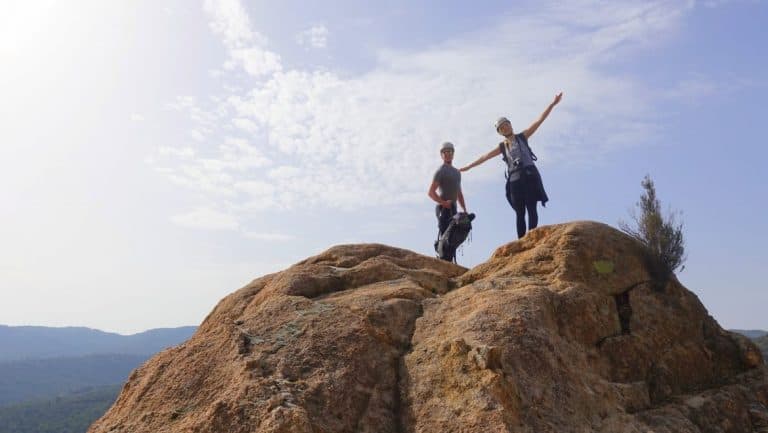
{"points": [[501, 121]]}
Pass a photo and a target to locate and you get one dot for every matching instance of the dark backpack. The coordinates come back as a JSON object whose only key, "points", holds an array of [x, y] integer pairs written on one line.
{"points": [[453, 236]]}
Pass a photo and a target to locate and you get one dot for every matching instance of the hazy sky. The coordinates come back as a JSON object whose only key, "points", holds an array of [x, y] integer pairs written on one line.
{"points": [[157, 155]]}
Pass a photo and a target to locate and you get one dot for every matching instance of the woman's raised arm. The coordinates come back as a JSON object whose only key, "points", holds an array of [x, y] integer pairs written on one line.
{"points": [[535, 125]]}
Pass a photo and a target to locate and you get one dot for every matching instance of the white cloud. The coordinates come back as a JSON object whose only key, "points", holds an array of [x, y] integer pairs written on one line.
{"points": [[315, 36], [246, 125], [712, 4], [254, 60], [284, 172], [320, 139], [690, 90], [183, 152], [245, 46], [205, 218], [255, 188], [205, 120], [277, 237], [136, 117], [231, 22], [240, 155], [196, 135]]}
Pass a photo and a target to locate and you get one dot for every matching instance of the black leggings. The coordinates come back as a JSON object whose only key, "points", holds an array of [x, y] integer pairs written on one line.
{"points": [[533, 218]]}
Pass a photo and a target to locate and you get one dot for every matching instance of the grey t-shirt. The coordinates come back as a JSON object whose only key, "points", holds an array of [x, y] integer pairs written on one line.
{"points": [[448, 178]]}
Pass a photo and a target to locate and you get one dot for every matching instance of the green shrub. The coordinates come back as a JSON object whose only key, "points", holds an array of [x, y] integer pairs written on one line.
{"points": [[661, 235]]}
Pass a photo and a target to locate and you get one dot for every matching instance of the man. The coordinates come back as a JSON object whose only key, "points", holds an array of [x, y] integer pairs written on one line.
{"points": [[448, 180]]}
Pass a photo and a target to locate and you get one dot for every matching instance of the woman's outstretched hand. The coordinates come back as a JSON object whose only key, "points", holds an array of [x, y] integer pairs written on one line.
{"points": [[463, 169], [558, 97]]}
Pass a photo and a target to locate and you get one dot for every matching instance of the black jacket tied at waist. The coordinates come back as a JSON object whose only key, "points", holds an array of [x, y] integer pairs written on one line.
{"points": [[524, 184]]}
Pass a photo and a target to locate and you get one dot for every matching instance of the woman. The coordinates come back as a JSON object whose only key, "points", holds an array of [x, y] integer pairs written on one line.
{"points": [[524, 186]]}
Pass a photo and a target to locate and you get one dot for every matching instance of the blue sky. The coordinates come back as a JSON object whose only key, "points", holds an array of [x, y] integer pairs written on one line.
{"points": [[158, 155]]}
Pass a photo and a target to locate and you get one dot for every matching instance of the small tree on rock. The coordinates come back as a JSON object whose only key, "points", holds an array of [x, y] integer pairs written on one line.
{"points": [[660, 235]]}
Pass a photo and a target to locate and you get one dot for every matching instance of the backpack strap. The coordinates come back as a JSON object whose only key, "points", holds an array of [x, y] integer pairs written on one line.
{"points": [[505, 157], [521, 137], [503, 150]]}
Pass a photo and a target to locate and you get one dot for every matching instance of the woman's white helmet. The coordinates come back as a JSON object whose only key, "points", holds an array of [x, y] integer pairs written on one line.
{"points": [[500, 122]]}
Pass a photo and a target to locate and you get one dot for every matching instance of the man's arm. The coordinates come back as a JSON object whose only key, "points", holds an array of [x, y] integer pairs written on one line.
{"points": [[531, 129], [495, 152], [461, 201], [432, 193]]}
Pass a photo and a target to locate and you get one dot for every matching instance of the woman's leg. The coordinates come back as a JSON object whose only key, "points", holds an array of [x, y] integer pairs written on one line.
{"points": [[520, 214], [533, 215], [516, 199]]}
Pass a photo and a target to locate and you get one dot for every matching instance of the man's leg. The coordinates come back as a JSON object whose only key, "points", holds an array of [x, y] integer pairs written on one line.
{"points": [[443, 221], [444, 217]]}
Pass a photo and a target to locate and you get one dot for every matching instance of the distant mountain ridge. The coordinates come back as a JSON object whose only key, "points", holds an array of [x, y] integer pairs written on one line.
{"points": [[759, 337], [59, 380], [750, 333], [40, 342], [47, 378], [762, 343]]}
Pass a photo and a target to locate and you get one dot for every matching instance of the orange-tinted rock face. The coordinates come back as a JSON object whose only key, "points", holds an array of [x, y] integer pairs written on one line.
{"points": [[561, 331]]}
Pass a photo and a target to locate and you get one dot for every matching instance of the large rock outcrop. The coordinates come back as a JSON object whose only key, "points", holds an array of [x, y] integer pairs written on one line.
{"points": [[562, 331]]}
